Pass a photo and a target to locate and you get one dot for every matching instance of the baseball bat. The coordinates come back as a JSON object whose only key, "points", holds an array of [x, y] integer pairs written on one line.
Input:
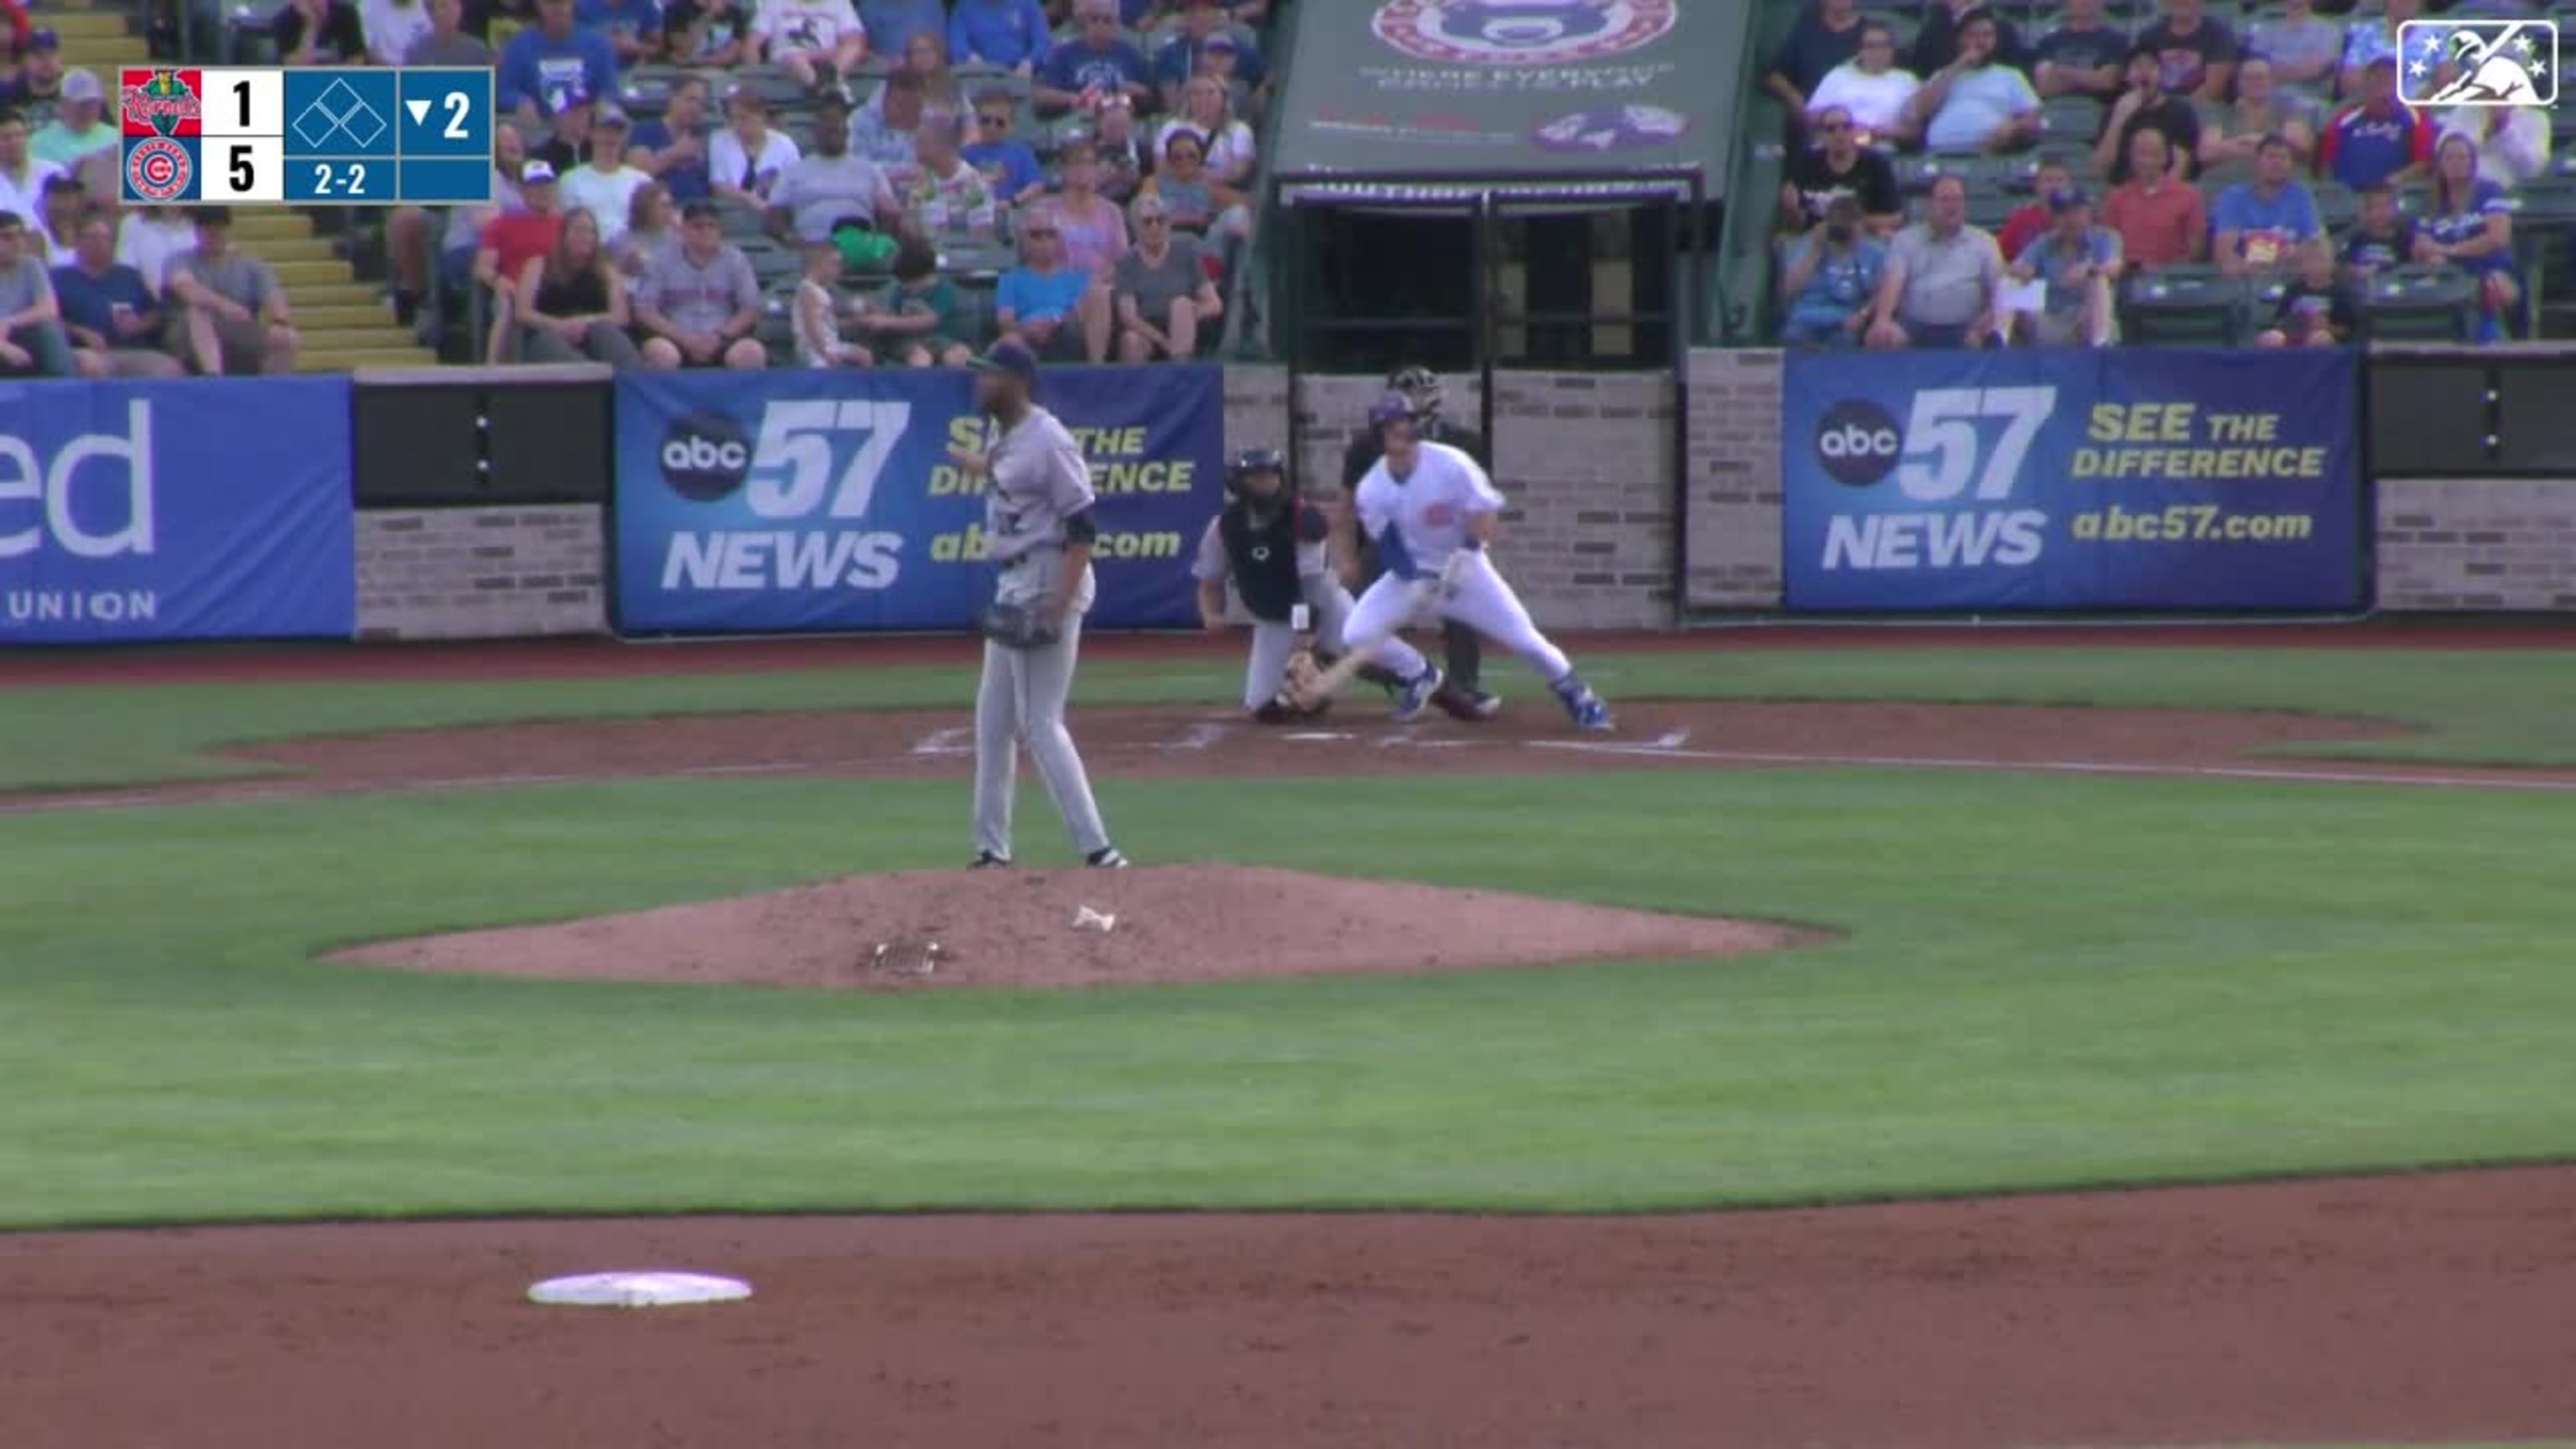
{"points": [[1357, 656]]}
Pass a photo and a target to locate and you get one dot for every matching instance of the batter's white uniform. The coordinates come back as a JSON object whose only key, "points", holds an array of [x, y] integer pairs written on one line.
{"points": [[1418, 523]]}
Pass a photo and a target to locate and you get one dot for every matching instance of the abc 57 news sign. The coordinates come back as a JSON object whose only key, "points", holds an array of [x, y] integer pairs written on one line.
{"points": [[2066, 480]]}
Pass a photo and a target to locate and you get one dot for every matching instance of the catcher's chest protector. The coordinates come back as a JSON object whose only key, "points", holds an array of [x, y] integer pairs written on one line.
{"points": [[1263, 557]]}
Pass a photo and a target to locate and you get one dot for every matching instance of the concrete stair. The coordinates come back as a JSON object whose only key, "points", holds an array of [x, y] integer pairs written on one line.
{"points": [[345, 322]]}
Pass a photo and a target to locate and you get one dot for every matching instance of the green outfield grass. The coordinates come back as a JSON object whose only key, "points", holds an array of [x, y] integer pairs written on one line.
{"points": [[2485, 706], [2044, 983]]}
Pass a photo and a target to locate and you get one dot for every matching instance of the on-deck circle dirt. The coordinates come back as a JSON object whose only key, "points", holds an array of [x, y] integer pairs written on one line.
{"points": [[2397, 1308]]}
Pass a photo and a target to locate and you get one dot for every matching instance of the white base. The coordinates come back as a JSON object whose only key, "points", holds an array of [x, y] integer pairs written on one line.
{"points": [[638, 1290]]}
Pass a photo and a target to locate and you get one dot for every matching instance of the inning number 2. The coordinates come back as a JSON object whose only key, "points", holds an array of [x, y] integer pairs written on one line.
{"points": [[458, 107], [1942, 440]]}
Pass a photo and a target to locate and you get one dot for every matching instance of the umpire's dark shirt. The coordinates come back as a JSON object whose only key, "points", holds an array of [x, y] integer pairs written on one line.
{"points": [[1366, 449]]}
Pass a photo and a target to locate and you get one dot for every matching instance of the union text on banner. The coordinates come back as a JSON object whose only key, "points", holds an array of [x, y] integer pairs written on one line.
{"points": [[1951, 482], [207, 509], [786, 501]]}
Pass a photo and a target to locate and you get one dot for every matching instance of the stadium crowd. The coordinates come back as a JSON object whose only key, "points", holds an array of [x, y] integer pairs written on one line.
{"points": [[2085, 170], [711, 183]]}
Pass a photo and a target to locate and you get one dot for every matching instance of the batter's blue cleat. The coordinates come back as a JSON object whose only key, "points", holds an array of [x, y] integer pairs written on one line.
{"points": [[1583, 706], [1416, 695]]}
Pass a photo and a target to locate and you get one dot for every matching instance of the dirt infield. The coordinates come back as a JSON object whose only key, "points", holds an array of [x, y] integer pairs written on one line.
{"points": [[935, 930], [2401, 1309]]}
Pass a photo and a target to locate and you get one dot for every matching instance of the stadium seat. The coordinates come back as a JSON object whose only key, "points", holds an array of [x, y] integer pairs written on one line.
{"points": [[2337, 204], [2420, 304], [2547, 201], [2071, 119], [1990, 206], [2183, 307]]}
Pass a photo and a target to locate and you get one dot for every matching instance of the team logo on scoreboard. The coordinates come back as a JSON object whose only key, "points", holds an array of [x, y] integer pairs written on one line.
{"points": [[158, 169], [161, 102], [1521, 32]]}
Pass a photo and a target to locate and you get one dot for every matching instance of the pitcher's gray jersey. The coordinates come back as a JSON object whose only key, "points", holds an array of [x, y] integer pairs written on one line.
{"points": [[1036, 479]]}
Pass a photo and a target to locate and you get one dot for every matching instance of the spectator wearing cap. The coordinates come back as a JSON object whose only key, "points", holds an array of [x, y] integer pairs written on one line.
{"points": [[672, 148], [892, 24], [392, 28], [2077, 264], [79, 129], [1825, 37], [447, 42], [1833, 271], [604, 184], [1941, 279], [1012, 34], [319, 32], [713, 33], [914, 318], [817, 42], [1205, 27], [2161, 218], [888, 132], [1204, 108], [2196, 53], [1976, 102], [232, 314], [2375, 139], [1097, 61], [2083, 56], [1095, 229], [1008, 164], [22, 176], [554, 65], [746, 158], [2261, 224], [1937, 43], [513, 239], [1058, 311], [946, 197], [699, 302], [113, 319], [40, 71], [832, 187], [2026, 222], [2146, 106], [1167, 304], [1871, 90], [633, 28], [32, 341], [1198, 203]]}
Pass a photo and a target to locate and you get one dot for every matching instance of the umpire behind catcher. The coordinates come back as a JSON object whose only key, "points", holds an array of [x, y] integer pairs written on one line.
{"points": [[1461, 696], [1039, 531]]}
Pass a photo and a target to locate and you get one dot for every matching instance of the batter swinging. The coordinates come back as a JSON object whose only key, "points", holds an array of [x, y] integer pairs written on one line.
{"points": [[1431, 510], [1039, 529]]}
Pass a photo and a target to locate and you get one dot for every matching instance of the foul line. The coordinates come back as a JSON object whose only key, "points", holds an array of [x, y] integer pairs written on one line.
{"points": [[2272, 774]]}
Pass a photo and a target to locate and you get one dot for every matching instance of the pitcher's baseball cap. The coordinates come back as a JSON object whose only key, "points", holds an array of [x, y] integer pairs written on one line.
{"points": [[1011, 356]]}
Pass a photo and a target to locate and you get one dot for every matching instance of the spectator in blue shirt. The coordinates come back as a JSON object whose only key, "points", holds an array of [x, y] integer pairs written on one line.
{"points": [[1178, 60], [2262, 223], [1831, 278], [633, 27], [1060, 311], [2375, 139], [1097, 60], [1009, 33], [2469, 225], [672, 147], [2078, 264], [554, 65], [892, 23], [1008, 164], [113, 318]]}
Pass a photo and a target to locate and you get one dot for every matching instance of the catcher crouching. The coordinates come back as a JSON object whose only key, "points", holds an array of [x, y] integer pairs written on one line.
{"points": [[1274, 547]]}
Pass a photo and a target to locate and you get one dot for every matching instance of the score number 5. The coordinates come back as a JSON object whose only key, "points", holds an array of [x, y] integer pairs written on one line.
{"points": [[1942, 441]]}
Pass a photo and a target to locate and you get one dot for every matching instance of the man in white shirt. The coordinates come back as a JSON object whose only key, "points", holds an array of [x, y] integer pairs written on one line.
{"points": [[392, 28], [604, 185], [149, 236], [1431, 511], [22, 176]]}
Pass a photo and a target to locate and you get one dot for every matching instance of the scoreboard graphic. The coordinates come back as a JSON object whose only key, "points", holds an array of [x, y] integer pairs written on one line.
{"points": [[305, 137]]}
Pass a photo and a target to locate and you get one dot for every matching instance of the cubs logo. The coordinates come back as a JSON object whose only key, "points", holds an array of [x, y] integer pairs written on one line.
{"points": [[158, 170], [160, 102], [1521, 32], [1439, 515]]}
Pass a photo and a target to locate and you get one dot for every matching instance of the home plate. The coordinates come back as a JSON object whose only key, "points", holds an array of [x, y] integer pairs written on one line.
{"points": [[638, 1290]]}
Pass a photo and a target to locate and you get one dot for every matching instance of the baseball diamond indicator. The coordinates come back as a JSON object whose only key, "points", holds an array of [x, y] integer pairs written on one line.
{"points": [[248, 135]]}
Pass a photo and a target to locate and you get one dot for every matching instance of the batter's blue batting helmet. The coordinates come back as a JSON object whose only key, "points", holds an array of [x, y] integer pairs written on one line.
{"points": [[1390, 407]]}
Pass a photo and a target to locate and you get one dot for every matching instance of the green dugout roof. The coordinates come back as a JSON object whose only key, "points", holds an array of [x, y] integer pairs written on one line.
{"points": [[1490, 90]]}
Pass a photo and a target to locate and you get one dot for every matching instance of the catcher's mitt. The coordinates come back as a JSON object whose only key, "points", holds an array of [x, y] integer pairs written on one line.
{"points": [[1295, 682], [1015, 626]]}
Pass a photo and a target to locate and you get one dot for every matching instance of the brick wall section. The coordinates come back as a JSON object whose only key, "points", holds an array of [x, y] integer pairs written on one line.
{"points": [[1734, 516], [480, 573], [1256, 407], [2477, 544], [1586, 462]]}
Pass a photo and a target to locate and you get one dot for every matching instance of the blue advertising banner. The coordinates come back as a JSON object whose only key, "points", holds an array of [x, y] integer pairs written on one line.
{"points": [[1954, 482], [773, 502], [212, 508]]}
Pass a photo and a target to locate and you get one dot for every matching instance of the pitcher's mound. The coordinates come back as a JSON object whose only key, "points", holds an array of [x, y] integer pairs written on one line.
{"points": [[998, 928]]}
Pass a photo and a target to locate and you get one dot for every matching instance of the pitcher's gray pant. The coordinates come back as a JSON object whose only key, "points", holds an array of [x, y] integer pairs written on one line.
{"points": [[1022, 700]]}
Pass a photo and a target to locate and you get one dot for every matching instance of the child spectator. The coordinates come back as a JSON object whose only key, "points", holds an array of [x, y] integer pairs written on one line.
{"points": [[916, 314], [2315, 309], [1009, 166], [817, 314], [2382, 236]]}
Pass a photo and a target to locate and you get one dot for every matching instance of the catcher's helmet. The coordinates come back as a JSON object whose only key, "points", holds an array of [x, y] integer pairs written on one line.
{"points": [[1255, 460], [1390, 407], [1420, 384]]}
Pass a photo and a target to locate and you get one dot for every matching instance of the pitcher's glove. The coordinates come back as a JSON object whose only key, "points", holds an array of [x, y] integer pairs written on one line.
{"points": [[1016, 626]]}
